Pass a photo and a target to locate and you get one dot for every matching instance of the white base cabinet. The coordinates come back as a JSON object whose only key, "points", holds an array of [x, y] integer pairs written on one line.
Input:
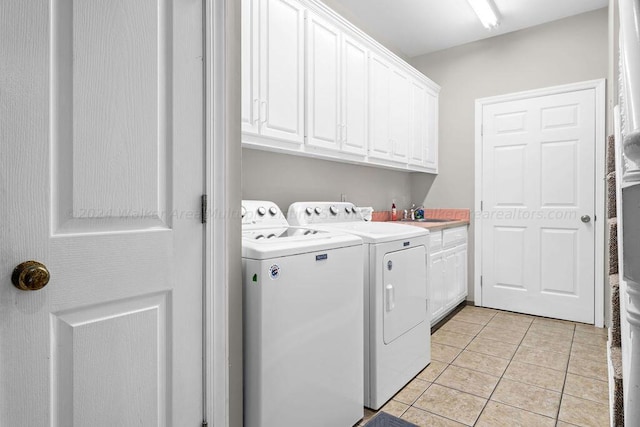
{"points": [[314, 85], [447, 271]]}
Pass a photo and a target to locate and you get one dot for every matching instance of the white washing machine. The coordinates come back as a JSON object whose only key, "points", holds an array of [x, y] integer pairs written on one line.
{"points": [[397, 333], [303, 323]]}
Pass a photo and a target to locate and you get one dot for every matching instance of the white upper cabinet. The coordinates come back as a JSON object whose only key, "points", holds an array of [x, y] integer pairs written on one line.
{"points": [[273, 69], [418, 137], [431, 120], [336, 89], [314, 85], [250, 116], [380, 132], [423, 140], [400, 115], [390, 113], [324, 121], [355, 102]]}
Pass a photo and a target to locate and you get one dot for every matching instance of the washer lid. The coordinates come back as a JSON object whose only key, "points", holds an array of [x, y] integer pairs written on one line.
{"points": [[376, 232], [274, 242]]}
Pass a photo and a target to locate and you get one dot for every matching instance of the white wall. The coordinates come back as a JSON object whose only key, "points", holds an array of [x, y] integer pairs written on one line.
{"points": [[570, 50], [355, 20], [285, 179]]}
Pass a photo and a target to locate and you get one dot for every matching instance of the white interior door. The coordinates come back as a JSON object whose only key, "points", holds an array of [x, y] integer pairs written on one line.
{"points": [[101, 173], [538, 181]]}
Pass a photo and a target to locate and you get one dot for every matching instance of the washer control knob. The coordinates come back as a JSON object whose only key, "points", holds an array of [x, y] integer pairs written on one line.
{"points": [[353, 209], [262, 211], [347, 210], [333, 210], [243, 211], [309, 211], [318, 210], [273, 210]]}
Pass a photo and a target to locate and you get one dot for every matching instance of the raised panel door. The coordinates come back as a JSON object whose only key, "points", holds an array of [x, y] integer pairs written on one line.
{"points": [[250, 83], [355, 99], [461, 272], [537, 182], [379, 124], [107, 106], [399, 115], [450, 277], [431, 152], [324, 127], [282, 70], [418, 136], [436, 286]]}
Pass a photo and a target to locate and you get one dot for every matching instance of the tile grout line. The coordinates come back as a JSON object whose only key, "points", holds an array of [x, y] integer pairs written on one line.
{"points": [[502, 376], [465, 348], [519, 345], [566, 375], [450, 364]]}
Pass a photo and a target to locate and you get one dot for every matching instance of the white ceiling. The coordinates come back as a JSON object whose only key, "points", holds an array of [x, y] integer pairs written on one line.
{"points": [[416, 27]]}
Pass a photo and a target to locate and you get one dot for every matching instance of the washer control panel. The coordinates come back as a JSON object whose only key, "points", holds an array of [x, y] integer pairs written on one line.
{"points": [[305, 213], [260, 214]]}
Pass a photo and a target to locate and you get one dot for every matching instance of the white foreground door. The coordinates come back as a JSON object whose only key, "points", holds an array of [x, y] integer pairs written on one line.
{"points": [[538, 181], [101, 176]]}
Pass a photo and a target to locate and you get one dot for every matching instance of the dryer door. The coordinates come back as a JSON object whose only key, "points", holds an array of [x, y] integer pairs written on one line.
{"points": [[404, 291]]}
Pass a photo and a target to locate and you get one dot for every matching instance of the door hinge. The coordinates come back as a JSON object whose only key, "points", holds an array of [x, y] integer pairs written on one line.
{"points": [[204, 211], [480, 281], [481, 205]]}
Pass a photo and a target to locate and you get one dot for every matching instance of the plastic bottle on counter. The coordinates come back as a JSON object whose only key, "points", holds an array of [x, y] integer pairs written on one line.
{"points": [[394, 212]]}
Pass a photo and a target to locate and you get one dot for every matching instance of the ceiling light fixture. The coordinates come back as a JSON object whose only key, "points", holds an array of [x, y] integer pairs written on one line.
{"points": [[486, 11]]}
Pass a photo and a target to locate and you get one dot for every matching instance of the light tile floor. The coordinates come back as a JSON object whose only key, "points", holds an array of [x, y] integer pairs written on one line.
{"points": [[493, 368]]}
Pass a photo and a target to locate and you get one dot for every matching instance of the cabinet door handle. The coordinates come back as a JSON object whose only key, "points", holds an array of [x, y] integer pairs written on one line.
{"points": [[263, 111], [390, 297], [256, 111]]}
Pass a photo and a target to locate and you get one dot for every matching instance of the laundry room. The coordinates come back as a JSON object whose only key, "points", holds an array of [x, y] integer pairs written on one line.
{"points": [[320, 213], [424, 114]]}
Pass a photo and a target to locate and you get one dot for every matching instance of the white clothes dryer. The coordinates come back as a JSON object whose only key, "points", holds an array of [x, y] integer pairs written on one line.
{"points": [[397, 333], [303, 321]]}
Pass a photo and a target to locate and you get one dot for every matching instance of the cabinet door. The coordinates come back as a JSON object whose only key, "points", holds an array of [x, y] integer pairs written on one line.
{"points": [[461, 271], [354, 96], [431, 160], [437, 294], [323, 84], [400, 100], [418, 128], [250, 73], [450, 277], [379, 140], [281, 70]]}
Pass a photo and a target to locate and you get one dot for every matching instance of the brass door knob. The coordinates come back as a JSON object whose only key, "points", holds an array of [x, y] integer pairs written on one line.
{"points": [[30, 276]]}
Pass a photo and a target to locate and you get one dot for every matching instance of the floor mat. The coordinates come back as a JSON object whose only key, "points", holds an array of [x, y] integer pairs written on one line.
{"points": [[382, 419]]}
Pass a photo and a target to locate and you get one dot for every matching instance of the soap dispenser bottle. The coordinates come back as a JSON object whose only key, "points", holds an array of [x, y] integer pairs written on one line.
{"points": [[394, 212]]}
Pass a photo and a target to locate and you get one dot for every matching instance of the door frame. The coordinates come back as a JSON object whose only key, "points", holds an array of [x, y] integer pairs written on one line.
{"points": [[222, 290], [598, 86]]}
